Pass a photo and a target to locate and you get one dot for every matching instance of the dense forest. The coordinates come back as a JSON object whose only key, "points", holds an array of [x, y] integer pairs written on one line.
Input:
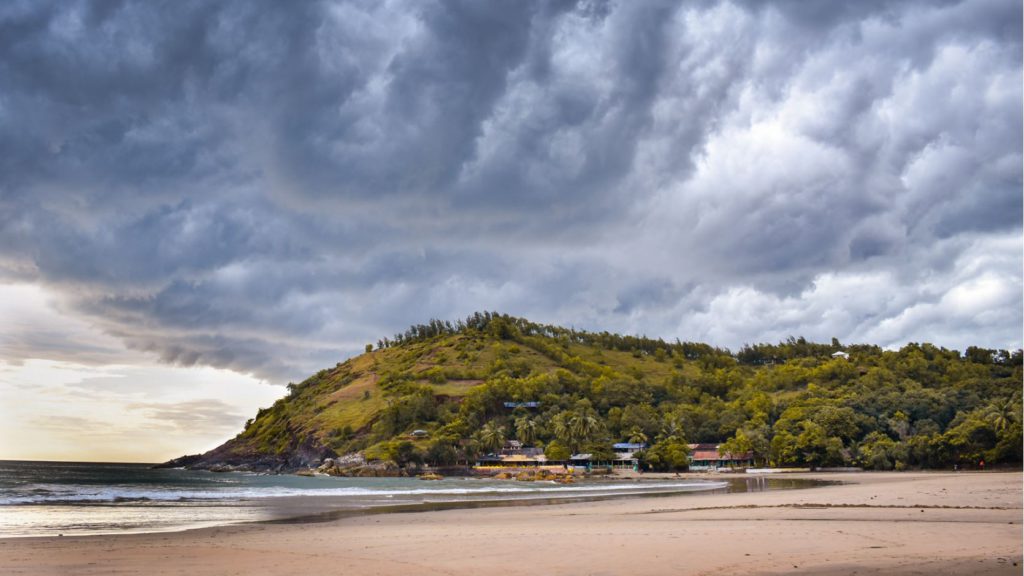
{"points": [[473, 384]]}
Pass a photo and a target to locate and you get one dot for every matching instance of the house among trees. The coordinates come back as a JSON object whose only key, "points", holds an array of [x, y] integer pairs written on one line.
{"points": [[707, 457], [513, 405], [841, 354], [626, 449], [514, 455]]}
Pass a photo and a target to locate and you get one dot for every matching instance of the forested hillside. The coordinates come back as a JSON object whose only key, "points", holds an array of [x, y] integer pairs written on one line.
{"points": [[472, 384]]}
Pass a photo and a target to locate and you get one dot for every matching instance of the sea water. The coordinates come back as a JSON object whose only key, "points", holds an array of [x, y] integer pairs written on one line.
{"points": [[68, 498]]}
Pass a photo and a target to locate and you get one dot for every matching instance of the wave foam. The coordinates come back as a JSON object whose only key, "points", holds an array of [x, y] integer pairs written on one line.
{"points": [[92, 494]]}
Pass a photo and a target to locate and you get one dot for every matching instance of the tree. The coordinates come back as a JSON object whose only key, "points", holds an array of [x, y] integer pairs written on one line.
{"points": [[670, 454], [637, 436], [442, 451], [811, 443], [560, 427], [526, 430], [575, 429], [783, 449], [753, 439], [970, 435], [737, 445], [642, 417], [673, 428], [877, 452], [556, 451], [837, 421], [369, 348], [583, 427], [492, 436], [599, 451], [1003, 414], [403, 452]]}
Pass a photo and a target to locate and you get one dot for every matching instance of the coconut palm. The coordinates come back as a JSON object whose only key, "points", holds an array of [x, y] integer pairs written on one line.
{"points": [[673, 428], [492, 436], [526, 430], [560, 426], [1003, 414], [583, 428], [637, 436]]}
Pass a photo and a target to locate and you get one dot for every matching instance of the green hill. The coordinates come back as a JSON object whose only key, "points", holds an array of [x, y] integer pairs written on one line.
{"points": [[467, 384]]}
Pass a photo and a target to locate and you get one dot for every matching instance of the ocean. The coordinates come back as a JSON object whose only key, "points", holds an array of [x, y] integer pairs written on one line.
{"points": [[69, 498]]}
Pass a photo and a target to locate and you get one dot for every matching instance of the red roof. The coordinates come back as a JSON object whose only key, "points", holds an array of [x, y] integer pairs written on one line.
{"points": [[705, 454], [710, 452]]}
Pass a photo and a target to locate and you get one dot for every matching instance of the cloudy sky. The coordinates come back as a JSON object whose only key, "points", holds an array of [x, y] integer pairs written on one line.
{"points": [[201, 201]]}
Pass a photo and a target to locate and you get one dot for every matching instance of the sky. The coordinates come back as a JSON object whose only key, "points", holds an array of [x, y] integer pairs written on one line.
{"points": [[202, 201]]}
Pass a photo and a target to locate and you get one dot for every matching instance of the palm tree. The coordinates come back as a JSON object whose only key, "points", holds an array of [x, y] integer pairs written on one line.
{"points": [[637, 436], [526, 430], [1003, 414], [492, 436], [560, 426], [583, 428], [673, 428]]}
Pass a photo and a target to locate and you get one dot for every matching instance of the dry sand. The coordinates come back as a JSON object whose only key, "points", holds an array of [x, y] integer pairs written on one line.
{"points": [[877, 523]]}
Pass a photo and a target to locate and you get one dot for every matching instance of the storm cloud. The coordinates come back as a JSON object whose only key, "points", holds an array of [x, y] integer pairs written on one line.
{"points": [[265, 187]]}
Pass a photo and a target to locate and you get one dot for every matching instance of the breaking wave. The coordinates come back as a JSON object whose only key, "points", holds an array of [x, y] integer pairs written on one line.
{"points": [[85, 494]]}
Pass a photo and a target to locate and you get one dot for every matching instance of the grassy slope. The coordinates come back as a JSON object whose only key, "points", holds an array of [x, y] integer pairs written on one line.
{"points": [[336, 409], [336, 405]]}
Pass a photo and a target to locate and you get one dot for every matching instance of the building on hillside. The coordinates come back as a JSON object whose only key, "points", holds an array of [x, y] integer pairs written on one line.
{"points": [[514, 455], [624, 448], [513, 405], [841, 354], [512, 447], [516, 448], [707, 457]]}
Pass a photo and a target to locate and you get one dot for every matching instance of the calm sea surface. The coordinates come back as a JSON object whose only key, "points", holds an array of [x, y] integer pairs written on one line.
{"points": [[50, 498]]}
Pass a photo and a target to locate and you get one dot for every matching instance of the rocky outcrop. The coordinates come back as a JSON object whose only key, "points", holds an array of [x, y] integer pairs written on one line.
{"points": [[541, 475], [354, 465], [181, 462], [238, 455]]}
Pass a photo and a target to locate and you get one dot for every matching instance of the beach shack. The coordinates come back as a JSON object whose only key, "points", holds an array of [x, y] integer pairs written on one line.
{"points": [[625, 455], [583, 461], [707, 457], [514, 455]]}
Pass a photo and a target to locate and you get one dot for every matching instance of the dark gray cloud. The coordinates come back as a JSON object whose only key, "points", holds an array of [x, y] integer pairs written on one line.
{"points": [[265, 187]]}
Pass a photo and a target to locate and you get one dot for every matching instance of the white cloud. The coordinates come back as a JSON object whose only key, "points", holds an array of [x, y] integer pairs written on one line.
{"points": [[975, 294], [71, 392]]}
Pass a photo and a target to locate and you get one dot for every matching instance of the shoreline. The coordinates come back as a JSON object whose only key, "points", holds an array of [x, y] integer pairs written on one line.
{"points": [[302, 509], [873, 523], [730, 487]]}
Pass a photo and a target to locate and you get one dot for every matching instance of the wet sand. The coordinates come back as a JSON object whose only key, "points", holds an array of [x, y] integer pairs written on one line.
{"points": [[875, 523]]}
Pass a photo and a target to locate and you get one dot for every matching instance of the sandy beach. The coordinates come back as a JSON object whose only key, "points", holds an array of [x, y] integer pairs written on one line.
{"points": [[874, 523]]}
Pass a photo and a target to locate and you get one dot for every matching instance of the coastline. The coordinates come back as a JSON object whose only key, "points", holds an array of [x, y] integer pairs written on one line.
{"points": [[935, 522]]}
